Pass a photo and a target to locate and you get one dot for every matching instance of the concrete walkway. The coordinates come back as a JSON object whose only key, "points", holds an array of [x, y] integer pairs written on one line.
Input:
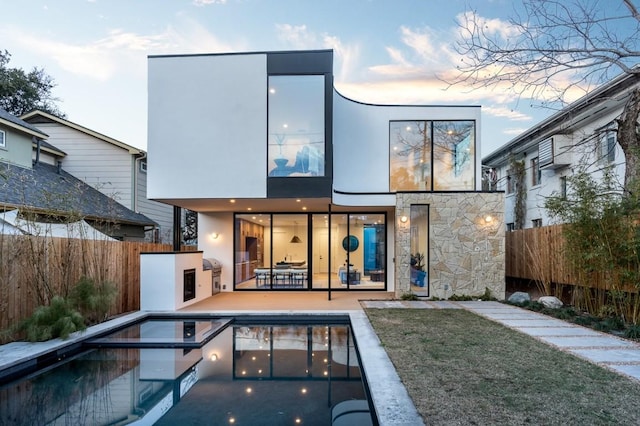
{"points": [[608, 351]]}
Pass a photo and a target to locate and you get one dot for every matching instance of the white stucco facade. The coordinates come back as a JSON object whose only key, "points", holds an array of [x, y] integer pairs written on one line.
{"points": [[211, 151]]}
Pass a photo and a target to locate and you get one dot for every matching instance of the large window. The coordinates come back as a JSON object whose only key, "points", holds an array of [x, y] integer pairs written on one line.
{"points": [[432, 155], [286, 251], [296, 143], [536, 173]]}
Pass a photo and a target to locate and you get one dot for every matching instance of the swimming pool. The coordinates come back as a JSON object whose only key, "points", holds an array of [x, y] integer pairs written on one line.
{"points": [[242, 371]]}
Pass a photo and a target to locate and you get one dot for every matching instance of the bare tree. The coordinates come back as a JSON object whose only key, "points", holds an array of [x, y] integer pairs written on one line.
{"points": [[551, 47]]}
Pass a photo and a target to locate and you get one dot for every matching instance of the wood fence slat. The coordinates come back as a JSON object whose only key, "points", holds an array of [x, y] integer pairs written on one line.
{"points": [[59, 263]]}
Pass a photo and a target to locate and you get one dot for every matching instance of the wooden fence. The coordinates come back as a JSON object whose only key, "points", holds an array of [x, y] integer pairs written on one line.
{"points": [[33, 269], [538, 254]]}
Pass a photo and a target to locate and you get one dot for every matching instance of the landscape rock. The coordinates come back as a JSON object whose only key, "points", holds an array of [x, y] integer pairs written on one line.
{"points": [[550, 302], [519, 297]]}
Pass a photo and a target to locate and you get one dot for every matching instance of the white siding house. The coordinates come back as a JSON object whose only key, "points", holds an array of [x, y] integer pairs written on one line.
{"points": [[112, 167], [582, 135]]}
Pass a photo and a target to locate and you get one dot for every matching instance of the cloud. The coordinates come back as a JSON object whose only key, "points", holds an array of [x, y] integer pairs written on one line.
{"points": [[504, 112], [514, 131], [297, 36], [119, 51], [208, 2]]}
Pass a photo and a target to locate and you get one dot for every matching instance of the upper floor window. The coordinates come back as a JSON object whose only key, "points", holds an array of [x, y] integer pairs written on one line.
{"points": [[511, 183], [536, 173], [563, 187], [431, 155], [536, 223], [608, 148], [143, 166], [3, 141], [296, 140]]}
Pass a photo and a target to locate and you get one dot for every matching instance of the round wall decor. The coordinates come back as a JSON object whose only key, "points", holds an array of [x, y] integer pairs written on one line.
{"points": [[350, 243]]}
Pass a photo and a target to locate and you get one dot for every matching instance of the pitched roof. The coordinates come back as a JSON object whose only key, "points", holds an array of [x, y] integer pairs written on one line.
{"points": [[47, 189], [602, 100], [46, 146], [37, 116], [19, 124]]}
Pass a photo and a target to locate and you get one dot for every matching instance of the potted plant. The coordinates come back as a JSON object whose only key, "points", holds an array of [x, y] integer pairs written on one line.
{"points": [[417, 269]]}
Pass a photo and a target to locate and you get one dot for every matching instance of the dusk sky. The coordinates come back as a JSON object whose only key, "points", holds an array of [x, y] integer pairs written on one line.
{"points": [[385, 51]]}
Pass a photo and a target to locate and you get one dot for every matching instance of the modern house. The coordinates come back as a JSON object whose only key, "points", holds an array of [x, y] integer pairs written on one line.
{"points": [[36, 193], [112, 167], [298, 187], [580, 136]]}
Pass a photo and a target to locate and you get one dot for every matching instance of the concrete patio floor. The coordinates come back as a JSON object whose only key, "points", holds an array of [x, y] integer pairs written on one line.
{"points": [[286, 301]]}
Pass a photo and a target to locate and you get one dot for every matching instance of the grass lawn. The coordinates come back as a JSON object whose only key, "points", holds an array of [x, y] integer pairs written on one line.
{"points": [[460, 368]]}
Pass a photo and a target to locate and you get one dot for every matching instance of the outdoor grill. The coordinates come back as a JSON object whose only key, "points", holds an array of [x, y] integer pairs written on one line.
{"points": [[213, 265]]}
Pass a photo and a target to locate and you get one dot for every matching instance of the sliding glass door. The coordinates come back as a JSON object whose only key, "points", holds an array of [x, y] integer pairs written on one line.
{"points": [[288, 251]]}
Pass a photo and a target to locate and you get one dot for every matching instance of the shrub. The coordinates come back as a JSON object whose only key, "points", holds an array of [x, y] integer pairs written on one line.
{"points": [[409, 296], [58, 319], [633, 332], [91, 300]]}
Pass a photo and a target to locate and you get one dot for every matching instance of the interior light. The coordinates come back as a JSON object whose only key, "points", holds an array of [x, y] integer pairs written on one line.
{"points": [[272, 90], [232, 201], [249, 209]]}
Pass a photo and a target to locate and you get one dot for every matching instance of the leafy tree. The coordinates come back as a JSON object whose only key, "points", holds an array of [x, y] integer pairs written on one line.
{"points": [[603, 239], [551, 47], [21, 92]]}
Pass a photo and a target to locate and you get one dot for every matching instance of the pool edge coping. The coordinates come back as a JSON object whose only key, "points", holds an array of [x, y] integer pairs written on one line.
{"points": [[390, 398]]}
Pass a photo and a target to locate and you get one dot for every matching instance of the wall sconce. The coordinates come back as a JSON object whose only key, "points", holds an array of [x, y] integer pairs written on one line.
{"points": [[215, 235], [488, 219], [213, 357], [404, 219]]}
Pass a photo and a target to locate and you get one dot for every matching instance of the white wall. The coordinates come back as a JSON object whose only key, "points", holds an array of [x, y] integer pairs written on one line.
{"points": [[207, 126], [104, 166], [220, 248], [580, 153], [361, 143], [162, 276]]}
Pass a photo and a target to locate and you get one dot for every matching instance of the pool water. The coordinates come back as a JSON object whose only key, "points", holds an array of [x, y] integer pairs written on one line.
{"points": [[190, 372]]}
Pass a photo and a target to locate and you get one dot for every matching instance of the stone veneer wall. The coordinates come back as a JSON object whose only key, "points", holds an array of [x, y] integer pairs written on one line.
{"points": [[466, 254]]}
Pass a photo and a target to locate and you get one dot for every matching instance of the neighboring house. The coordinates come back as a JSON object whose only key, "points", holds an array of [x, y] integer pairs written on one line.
{"points": [[112, 167], [582, 135], [298, 187], [41, 190]]}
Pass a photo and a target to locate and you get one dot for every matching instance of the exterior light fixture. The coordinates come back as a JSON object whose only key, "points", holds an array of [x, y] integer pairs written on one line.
{"points": [[213, 357], [488, 219], [215, 235], [404, 219]]}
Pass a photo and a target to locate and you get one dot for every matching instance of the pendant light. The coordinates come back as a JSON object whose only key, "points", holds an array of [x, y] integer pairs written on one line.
{"points": [[295, 238]]}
